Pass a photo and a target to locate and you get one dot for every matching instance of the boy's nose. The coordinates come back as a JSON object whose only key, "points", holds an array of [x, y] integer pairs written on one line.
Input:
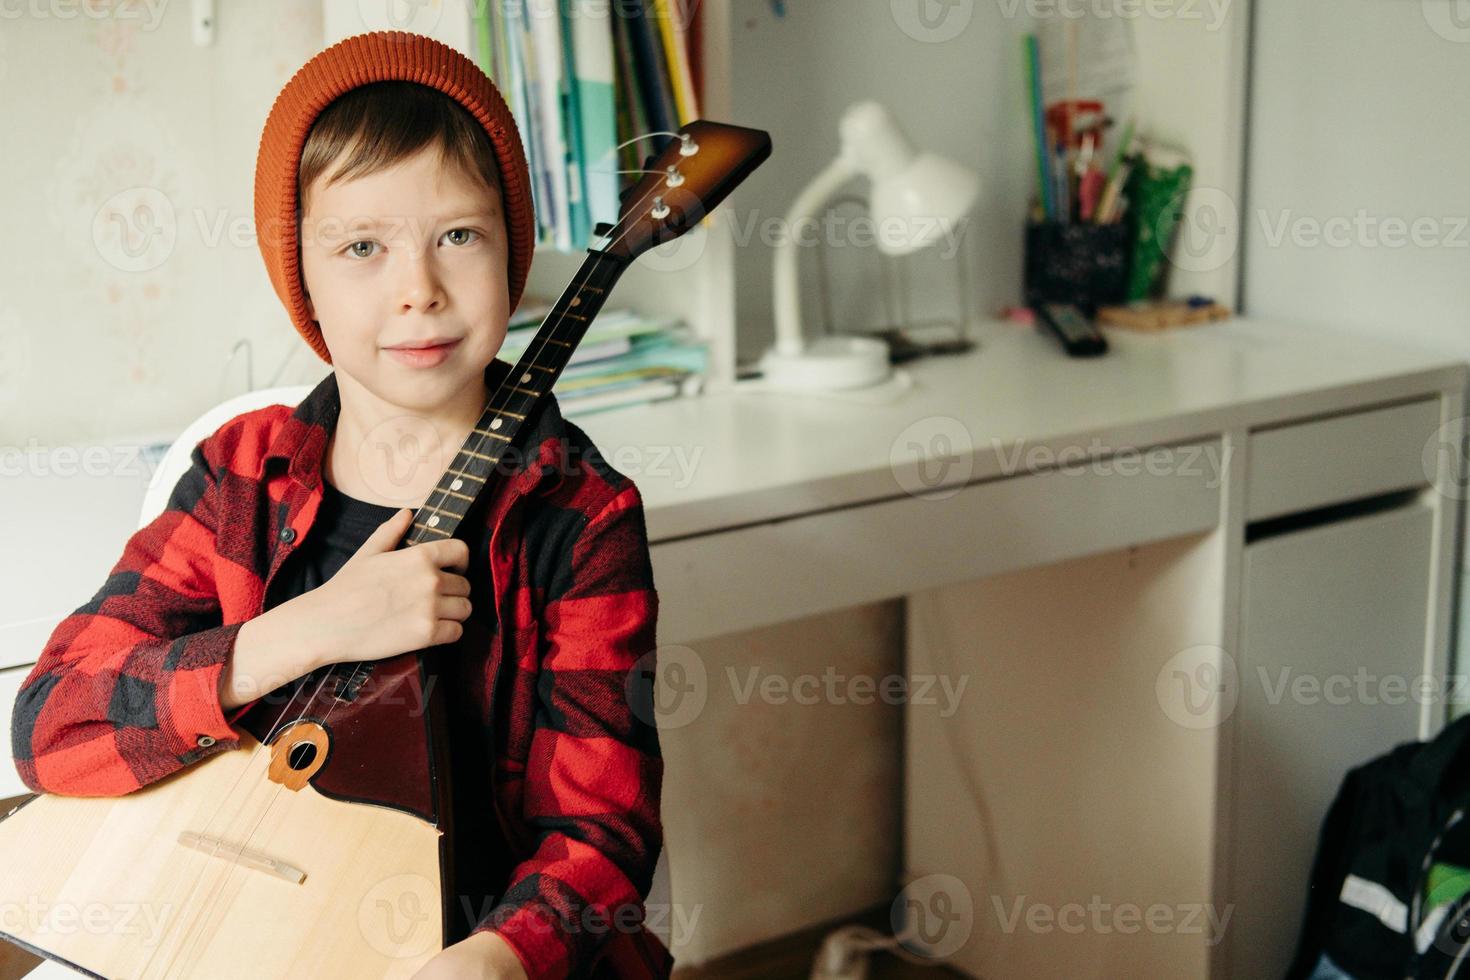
{"points": [[419, 286]]}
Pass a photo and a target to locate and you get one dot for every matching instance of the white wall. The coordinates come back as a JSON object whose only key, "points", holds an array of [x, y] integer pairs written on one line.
{"points": [[1359, 202], [104, 334], [956, 89], [1358, 122]]}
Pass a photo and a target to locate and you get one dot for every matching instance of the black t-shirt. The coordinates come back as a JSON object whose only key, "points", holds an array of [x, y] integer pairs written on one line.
{"points": [[339, 529]]}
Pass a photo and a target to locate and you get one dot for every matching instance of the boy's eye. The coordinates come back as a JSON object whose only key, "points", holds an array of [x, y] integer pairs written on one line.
{"points": [[356, 252], [461, 231]]}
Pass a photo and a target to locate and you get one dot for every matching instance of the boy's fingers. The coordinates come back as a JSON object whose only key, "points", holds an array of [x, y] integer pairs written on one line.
{"points": [[449, 553], [387, 534]]}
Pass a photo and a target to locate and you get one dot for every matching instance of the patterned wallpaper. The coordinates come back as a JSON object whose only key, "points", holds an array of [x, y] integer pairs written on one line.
{"points": [[130, 270]]}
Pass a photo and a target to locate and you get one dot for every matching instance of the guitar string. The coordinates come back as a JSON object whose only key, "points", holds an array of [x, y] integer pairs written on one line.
{"points": [[481, 443]]}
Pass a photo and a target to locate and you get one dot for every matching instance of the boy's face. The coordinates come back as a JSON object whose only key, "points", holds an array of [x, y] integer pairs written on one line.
{"points": [[405, 270]]}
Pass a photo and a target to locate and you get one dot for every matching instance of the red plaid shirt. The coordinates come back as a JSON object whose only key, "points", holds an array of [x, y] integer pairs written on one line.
{"points": [[126, 691]]}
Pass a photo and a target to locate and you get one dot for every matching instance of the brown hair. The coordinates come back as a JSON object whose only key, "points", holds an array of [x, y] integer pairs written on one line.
{"points": [[376, 126]]}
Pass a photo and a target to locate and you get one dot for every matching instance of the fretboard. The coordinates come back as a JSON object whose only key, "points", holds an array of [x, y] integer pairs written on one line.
{"points": [[476, 466]]}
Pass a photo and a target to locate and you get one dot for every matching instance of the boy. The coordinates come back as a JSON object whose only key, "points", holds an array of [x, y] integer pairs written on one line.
{"points": [[277, 552]]}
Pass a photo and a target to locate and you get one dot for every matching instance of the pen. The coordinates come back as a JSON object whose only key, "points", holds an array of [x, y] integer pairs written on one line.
{"points": [[1063, 179]]}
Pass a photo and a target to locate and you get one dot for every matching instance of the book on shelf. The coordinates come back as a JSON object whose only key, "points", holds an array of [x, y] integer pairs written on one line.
{"points": [[623, 358], [640, 394], [583, 78]]}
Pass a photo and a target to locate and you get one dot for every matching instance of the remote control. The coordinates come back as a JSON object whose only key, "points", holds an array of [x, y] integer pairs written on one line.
{"points": [[1078, 335]]}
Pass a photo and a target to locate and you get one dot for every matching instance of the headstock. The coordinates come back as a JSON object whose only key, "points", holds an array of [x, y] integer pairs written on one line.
{"points": [[689, 178]]}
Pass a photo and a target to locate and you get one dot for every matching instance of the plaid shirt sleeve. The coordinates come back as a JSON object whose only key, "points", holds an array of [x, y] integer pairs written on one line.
{"points": [[594, 772], [125, 691]]}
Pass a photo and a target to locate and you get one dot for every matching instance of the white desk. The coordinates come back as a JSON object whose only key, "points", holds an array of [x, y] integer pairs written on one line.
{"points": [[1077, 772], [1071, 771]]}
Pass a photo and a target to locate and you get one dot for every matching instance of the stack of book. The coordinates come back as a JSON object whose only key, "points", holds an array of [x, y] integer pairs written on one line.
{"points": [[584, 77], [623, 359]]}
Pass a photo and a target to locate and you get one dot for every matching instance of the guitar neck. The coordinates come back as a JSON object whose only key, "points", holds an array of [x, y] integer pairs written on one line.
{"points": [[476, 465]]}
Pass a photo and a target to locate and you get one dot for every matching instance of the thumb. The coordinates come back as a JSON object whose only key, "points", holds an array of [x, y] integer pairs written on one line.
{"points": [[387, 535]]}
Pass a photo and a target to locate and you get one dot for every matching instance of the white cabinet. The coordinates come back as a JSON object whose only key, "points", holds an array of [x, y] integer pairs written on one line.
{"points": [[1331, 658]]}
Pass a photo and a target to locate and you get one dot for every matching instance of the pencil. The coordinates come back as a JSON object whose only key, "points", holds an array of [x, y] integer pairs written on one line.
{"points": [[1038, 124]]}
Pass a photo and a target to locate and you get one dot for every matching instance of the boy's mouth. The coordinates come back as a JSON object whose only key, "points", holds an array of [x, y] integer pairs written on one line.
{"points": [[423, 353]]}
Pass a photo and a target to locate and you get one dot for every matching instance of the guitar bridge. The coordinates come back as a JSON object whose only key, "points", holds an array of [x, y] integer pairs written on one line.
{"points": [[215, 847]]}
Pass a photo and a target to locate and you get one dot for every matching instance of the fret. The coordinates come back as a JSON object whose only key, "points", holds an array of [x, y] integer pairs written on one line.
{"points": [[575, 316], [471, 452], [492, 435], [563, 343], [439, 510], [467, 473], [454, 493], [540, 367], [526, 391], [436, 530]]}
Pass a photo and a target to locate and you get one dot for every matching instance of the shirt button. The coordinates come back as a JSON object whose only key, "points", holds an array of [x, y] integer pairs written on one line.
{"points": [[205, 741], [288, 534]]}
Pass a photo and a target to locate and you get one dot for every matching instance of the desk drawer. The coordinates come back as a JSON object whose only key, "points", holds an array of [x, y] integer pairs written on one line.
{"points": [[745, 578], [1312, 464], [10, 680]]}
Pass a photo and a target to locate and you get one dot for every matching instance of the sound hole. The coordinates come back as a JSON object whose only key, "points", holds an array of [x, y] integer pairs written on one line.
{"points": [[303, 754]]}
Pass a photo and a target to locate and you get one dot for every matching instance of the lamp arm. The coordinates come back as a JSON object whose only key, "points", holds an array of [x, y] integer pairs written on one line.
{"points": [[789, 340]]}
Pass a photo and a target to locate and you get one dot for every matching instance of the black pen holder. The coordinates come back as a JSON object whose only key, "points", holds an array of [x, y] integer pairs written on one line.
{"points": [[1082, 264]]}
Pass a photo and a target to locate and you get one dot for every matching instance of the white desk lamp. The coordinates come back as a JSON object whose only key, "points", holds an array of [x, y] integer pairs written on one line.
{"points": [[915, 199]]}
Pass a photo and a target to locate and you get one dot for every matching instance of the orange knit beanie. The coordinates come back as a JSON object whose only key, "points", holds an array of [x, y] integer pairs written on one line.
{"points": [[356, 61]]}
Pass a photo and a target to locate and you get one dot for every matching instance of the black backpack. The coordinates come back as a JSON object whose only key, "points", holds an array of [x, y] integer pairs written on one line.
{"points": [[1391, 820]]}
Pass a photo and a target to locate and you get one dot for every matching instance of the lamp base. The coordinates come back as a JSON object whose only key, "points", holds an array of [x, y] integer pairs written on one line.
{"points": [[828, 364]]}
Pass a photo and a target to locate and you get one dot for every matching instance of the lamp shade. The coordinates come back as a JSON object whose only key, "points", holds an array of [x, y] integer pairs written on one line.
{"points": [[915, 198], [916, 207]]}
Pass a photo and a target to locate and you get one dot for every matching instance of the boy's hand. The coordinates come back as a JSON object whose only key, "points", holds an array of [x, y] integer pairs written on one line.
{"points": [[381, 603], [385, 601], [483, 956]]}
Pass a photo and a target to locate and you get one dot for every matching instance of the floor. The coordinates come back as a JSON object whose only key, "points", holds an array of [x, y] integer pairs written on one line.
{"points": [[790, 958]]}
